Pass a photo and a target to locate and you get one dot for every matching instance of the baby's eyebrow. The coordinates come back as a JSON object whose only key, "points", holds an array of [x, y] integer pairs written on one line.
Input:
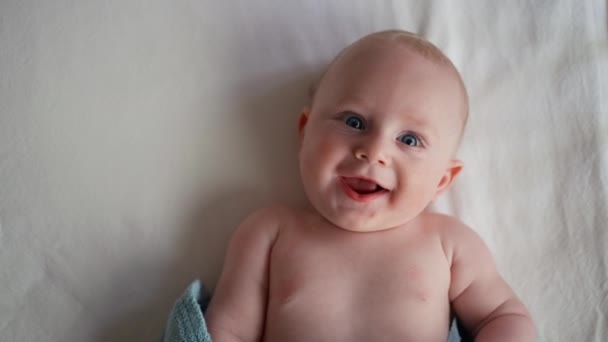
{"points": [[354, 102]]}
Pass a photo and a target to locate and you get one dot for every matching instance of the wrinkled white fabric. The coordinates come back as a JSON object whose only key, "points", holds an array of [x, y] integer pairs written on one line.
{"points": [[135, 135]]}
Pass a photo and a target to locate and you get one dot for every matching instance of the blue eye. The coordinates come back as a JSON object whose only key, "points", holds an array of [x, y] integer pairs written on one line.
{"points": [[354, 122], [409, 140]]}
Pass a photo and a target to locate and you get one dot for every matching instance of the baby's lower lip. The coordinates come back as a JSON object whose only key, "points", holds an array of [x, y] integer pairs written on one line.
{"points": [[360, 197]]}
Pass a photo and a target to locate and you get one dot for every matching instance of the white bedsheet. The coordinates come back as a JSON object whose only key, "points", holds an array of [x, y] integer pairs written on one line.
{"points": [[135, 135]]}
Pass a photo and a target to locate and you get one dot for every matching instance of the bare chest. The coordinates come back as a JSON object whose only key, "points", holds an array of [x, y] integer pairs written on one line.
{"points": [[386, 282]]}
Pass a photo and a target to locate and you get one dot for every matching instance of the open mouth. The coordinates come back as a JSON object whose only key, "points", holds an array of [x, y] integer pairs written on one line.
{"points": [[362, 189]]}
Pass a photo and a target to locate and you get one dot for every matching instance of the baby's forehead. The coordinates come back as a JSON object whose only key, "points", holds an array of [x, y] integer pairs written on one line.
{"points": [[382, 46], [376, 64], [348, 72]]}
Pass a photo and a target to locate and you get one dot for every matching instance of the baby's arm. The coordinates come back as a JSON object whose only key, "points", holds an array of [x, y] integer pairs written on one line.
{"points": [[481, 299], [238, 305]]}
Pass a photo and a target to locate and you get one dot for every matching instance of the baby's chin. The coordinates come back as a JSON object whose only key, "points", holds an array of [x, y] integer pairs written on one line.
{"points": [[356, 224], [360, 219]]}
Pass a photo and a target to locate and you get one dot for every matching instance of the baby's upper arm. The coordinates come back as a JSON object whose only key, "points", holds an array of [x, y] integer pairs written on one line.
{"points": [[238, 304], [477, 291]]}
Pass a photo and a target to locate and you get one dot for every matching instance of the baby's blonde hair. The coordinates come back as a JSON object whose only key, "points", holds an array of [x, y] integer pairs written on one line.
{"points": [[419, 45]]}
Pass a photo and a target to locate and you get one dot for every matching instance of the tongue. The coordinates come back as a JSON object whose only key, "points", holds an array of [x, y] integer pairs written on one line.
{"points": [[361, 185]]}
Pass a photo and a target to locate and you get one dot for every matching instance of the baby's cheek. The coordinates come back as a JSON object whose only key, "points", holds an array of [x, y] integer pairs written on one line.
{"points": [[333, 144], [325, 153]]}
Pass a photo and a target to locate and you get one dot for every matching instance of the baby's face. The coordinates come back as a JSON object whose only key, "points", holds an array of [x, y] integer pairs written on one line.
{"points": [[377, 145]]}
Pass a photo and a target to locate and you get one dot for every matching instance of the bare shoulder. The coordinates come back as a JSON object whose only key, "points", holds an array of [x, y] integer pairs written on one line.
{"points": [[479, 295], [265, 214], [270, 216], [269, 220], [239, 301], [455, 236], [467, 254], [441, 221]]}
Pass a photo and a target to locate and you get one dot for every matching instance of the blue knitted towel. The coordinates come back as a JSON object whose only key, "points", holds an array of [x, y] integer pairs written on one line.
{"points": [[187, 324]]}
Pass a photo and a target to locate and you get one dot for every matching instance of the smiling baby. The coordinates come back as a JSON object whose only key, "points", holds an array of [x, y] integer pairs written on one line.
{"points": [[366, 260]]}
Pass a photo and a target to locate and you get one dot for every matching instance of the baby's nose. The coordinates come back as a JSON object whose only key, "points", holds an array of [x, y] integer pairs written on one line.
{"points": [[373, 153]]}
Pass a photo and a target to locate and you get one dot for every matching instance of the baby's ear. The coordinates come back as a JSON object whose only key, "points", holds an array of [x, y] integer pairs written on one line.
{"points": [[302, 121], [453, 169]]}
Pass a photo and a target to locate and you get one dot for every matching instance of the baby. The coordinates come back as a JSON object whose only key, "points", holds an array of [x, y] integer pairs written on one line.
{"points": [[367, 261]]}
